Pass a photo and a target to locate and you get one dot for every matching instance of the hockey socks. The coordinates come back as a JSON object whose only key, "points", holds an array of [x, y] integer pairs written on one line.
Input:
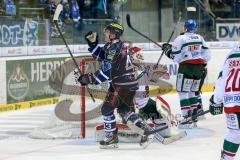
{"points": [[229, 150], [111, 139]]}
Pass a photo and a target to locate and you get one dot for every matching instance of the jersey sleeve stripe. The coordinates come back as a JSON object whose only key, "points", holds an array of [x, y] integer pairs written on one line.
{"points": [[104, 75], [234, 55], [204, 47], [191, 43]]}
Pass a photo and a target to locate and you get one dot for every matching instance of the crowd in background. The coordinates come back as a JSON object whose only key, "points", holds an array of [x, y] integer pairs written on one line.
{"points": [[73, 9], [223, 8], [8, 7], [82, 15]]}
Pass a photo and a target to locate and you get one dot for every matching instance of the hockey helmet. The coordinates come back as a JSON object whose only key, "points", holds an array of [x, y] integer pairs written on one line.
{"points": [[136, 54], [191, 26], [115, 28]]}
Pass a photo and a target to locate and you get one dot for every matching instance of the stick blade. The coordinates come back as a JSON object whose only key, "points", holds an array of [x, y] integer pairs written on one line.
{"points": [[128, 21], [57, 12]]}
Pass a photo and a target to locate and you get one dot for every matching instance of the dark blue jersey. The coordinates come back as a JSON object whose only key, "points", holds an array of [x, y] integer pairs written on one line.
{"points": [[116, 64]]}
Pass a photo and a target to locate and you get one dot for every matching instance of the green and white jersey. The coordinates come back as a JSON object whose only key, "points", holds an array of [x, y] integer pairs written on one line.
{"points": [[227, 87], [191, 48]]}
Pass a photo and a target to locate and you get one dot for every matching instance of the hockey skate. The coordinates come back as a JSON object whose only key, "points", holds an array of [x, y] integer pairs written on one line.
{"points": [[194, 118], [189, 121], [110, 141], [186, 124], [200, 112], [146, 140]]}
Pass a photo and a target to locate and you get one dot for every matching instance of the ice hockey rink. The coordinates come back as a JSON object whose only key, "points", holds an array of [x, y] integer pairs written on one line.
{"points": [[203, 143]]}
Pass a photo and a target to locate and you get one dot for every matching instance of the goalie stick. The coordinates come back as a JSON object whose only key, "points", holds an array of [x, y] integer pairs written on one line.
{"points": [[160, 138], [168, 140], [55, 20]]}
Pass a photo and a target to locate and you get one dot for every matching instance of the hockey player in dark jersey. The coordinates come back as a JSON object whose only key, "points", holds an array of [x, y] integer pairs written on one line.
{"points": [[119, 71]]}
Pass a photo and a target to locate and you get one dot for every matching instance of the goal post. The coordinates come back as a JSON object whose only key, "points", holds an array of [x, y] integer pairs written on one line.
{"points": [[54, 127]]}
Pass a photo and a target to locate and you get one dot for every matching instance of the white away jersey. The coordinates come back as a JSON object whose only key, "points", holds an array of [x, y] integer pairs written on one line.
{"points": [[190, 46], [227, 88]]}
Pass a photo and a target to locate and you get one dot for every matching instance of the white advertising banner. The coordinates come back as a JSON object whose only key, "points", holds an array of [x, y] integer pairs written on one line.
{"points": [[227, 31]]}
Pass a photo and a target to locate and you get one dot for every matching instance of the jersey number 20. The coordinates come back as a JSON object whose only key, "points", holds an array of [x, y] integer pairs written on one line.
{"points": [[233, 81]]}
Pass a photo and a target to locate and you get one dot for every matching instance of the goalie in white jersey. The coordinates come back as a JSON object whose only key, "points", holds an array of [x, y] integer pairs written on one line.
{"points": [[227, 96], [148, 107], [192, 54]]}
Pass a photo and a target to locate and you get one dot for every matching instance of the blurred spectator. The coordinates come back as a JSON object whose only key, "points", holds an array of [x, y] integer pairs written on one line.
{"points": [[220, 8], [86, 8], [52, 5], [74, 10], [42, 2], [1, 8], [99, 9], [114, 11], [69, 15], [206, 5], [10, 7], [236, 9]]}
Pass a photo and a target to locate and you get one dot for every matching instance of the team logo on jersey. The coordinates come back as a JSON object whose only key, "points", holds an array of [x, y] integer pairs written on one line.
{"points": [[18, 83]]}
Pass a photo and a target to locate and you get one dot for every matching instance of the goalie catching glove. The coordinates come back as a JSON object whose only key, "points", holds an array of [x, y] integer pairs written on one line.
{"points": [[156, 72], [92, 39], [215, 108]]}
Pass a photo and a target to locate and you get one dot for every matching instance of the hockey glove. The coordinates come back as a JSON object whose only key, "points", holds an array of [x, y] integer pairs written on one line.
{"points": [[155, 73], [92, 39], [182, 33], [215, 108], [167, 49], [85, 79]]}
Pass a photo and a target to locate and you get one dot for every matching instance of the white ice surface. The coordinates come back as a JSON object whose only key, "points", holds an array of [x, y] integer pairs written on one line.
{"points": [[204, 143]]}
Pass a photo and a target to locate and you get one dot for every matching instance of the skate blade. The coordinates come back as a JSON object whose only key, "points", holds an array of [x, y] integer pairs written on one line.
{"points": [[187, 126], [111, 146], [202, 118], [147, 143], [175, 137]]}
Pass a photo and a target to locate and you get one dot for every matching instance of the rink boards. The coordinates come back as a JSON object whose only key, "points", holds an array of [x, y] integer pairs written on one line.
{"points": [[24, 79]]}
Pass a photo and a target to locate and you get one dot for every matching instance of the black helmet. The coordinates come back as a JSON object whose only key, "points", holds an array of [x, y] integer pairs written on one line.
{"points": [[115, 28]]}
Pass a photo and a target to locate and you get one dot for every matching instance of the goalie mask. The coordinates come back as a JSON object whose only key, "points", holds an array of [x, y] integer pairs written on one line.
{"points": [[136, 54]]}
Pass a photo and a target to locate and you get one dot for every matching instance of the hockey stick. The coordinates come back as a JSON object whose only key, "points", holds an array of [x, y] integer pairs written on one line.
{"points": [[174, 29], [130, 26], [55, 20], [147, 133], [163, 140], [195, 116]]}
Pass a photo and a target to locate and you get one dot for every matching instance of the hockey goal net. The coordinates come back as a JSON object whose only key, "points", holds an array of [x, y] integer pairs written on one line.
{"points": [[85, 119], [86, 114]]}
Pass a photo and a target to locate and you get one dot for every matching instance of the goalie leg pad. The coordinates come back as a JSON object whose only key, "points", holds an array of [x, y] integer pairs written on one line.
{"points": [[134, 123]]}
